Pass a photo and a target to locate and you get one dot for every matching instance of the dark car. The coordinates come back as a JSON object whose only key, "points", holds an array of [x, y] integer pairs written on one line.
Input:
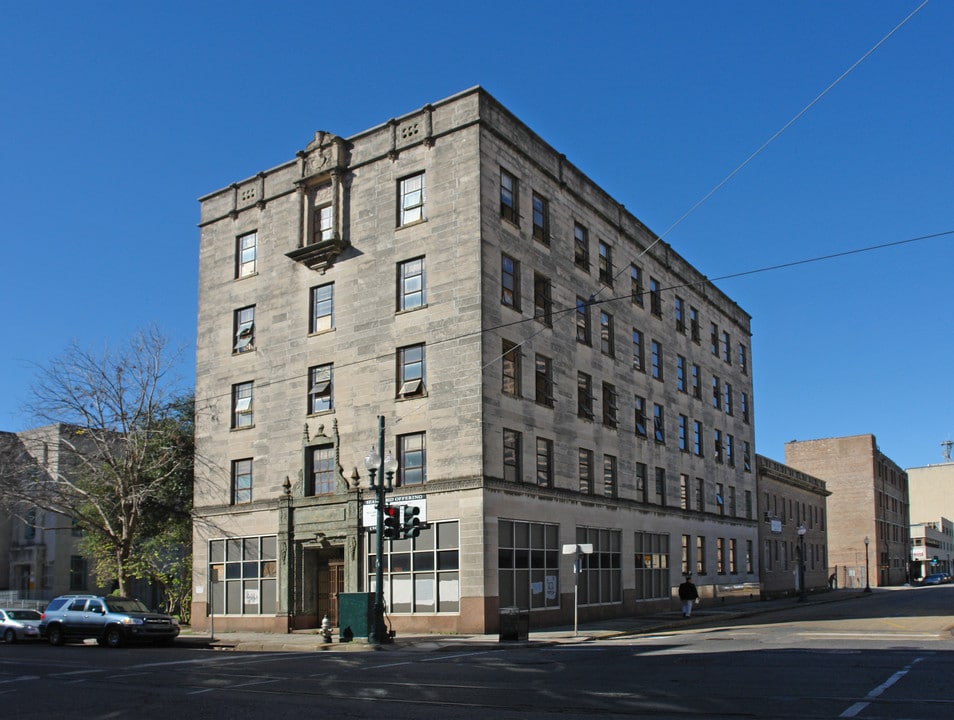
{"points": [[110, 620], [936, 579]]}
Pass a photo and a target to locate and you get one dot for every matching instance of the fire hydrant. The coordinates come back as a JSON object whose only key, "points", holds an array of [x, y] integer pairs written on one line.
{"points": [[325, 631]]}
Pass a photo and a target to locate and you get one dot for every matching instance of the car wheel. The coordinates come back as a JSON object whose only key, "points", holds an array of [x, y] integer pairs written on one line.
{"points": [[10, 636], [114, 637], [55, 634]]}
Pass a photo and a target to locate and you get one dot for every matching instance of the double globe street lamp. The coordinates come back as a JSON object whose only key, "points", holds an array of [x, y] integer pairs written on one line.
{"points": [[381, 471]]}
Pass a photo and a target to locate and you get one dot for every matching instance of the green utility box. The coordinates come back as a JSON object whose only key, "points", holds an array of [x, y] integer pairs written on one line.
{"points": [[355, 615]]}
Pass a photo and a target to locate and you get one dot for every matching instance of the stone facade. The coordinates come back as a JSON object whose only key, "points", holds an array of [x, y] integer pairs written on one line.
{"points": [[794, 517], [869, 501], [452, 273]]}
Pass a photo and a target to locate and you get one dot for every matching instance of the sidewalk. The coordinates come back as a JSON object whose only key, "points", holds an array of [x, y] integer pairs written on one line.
{"points": [[311, 641]]}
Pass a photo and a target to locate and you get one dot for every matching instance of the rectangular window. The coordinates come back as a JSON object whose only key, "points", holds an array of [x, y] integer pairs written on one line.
{"points": [[679, 305], [241, 481], [320, 388], [584, 396], [714, 339], [720, 498], [411, 284], [744, 402], [606, 263], [716, 393], [586, 471], [726, 347], [639, 360], [636, 285], [747, 499], [582, 321], [696, 374], [411, 197], [730, 450], [727, 398], [325, 228], [609, 476], [242, 411], [642, 482], [412, 459], [321, 471], [749, 561], [509, 282], [660, 486], [657, 359], [601, 571], [246, 254], [717, 445], [652, 566], [509, 197], [746, 456], [697, 438], [607, 334], [541, 219], [243, 329], [544, 464], [511, 369], [659, 423], [78, 571], [640, 416], [743, 359], [720, 556], [694, 324], [685, 496], [610, 406], [410, 371], [528, 562], [542, 299], [684, 433], [680, 373], [544, 381], [322, 308], [512, 455], [700, 555], [733, 506], [700, 494], [421, 575], [655, 297], [733, 556], [581, 246]]}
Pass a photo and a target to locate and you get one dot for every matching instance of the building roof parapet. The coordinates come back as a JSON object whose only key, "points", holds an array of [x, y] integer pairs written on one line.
{"points": [[789, 475]]}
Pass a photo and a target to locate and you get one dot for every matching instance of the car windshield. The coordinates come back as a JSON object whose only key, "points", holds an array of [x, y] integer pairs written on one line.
{"points": [[23, 614], [125, 605]]}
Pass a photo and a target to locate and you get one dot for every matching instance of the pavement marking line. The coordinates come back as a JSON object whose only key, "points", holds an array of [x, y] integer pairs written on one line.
{"points": [[906, 636], [855, 709], [22, 678], [436, 659]]}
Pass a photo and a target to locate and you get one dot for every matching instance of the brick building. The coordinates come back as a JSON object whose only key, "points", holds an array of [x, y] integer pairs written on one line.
{"points": [[549, 373], [793, 514], [869, 501]]}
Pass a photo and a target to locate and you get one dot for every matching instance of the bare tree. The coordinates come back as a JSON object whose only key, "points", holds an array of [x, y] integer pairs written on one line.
{"points": [[119, 418]]}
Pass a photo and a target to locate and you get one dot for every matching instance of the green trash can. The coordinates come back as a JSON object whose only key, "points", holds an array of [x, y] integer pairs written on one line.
{"points": [[514, 624]]}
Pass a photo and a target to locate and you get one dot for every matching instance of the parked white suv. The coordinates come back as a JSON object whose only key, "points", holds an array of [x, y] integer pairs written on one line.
{"points": [[111, 621]]}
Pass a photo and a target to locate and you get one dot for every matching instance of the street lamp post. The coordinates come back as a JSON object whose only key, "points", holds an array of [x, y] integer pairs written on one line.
{"points": [[867, 577], [801, 562], [380, 469]]}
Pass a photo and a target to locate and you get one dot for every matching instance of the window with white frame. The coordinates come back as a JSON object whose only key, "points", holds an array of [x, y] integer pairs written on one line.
{"points": [[246, 254], [320, 470], [412, 293], [325, 226], [320, 388], [241, 481], [412, 459], [411, 198], [243, 329], [322, 308], [410, 371], [242, 411]]}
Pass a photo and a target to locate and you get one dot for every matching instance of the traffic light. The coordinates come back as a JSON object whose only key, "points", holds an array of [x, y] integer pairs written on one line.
{"points": [[392, 525], [410, 522]]}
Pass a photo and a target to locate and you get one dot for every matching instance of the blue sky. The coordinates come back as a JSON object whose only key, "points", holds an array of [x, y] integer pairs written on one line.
{"points": [[117, 116]]}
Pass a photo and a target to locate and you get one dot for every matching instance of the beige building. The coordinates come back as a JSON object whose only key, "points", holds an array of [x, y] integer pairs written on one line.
{"points": [[868, 512], [793, 527], [549, 373], [40, 556], [932, 502]]}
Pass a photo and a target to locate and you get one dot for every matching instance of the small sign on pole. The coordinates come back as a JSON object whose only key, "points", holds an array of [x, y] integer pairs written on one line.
{"points": [[578, 550]]}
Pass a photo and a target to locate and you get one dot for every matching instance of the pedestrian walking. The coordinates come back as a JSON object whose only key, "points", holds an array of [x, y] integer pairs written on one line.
{"points": [[688, 594]]}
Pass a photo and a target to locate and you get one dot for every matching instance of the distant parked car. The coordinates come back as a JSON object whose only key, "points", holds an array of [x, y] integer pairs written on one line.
{"points": [[19, 624], [936, 579], [110, 620]]}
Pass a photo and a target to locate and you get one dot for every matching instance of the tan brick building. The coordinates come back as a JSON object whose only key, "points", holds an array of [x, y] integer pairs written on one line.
{"points": [[869, 500], [794, 518], [548, 371]]}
